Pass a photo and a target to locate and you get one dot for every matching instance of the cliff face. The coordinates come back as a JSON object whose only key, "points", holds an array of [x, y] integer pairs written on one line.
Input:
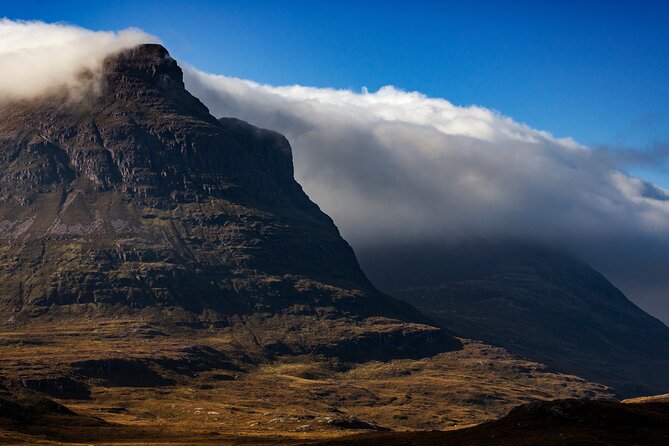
{"points": [[135, 196], [139, 195]]}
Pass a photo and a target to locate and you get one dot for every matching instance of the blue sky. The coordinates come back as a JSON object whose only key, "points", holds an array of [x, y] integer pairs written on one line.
{"points": [[597, 71]]}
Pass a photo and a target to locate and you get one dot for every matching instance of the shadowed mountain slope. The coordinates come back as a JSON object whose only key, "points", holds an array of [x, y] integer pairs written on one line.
{"points": [[533, 301]]}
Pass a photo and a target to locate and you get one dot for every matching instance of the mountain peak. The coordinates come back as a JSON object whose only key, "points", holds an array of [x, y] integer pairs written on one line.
{"points": [[147, 77], [138, 198], [148, 63]]}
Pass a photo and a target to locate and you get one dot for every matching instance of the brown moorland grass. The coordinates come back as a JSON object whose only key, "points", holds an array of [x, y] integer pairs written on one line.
{"points": [[153, 384]]}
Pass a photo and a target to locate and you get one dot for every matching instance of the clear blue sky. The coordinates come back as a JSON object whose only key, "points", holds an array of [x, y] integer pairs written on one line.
{"points": [[594, 70]]}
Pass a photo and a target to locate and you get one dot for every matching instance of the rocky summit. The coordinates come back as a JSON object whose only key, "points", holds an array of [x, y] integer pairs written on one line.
{"points": [[133, 196]]}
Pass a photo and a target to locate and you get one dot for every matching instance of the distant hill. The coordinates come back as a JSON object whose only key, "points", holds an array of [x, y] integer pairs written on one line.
{"points": [[533, 301]]}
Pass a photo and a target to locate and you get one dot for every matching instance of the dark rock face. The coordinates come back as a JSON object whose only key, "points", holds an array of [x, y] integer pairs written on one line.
{"points": [[536, 302], [136, 196]]}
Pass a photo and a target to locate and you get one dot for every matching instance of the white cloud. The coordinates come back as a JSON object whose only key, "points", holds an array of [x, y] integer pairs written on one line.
{"points": [[38, 58], [422, 167], [393, 166]]}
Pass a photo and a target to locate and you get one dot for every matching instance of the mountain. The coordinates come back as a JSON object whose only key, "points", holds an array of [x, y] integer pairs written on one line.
{"points": [[163, 276], [534, 301], [132, 196]]}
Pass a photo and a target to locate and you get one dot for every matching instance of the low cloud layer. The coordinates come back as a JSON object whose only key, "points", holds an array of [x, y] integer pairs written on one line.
{"points": [[38, 58], [400, 167]]}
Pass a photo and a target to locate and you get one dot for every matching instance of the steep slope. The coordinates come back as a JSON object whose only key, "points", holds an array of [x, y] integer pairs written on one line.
{"points": [[533, 301], [135, 197]]}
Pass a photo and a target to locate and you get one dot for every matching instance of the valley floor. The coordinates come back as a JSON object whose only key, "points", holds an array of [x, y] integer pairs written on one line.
{"points": [[127, 381]]}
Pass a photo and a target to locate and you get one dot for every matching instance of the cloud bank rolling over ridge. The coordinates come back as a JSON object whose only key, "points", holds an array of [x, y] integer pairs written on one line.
{"points": [[396, 167], [422, 168]]}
